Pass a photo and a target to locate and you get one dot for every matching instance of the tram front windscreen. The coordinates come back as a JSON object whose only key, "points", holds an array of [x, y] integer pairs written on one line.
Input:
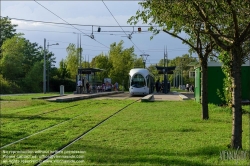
{"points": [[138, 81]]}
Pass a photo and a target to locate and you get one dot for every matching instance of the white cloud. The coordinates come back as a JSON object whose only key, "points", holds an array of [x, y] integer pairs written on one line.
{"points": [[87, 13]]}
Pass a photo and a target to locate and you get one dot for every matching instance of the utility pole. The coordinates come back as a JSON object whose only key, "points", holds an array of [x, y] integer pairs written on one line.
{"points": [[77, 50], [144, 59], [179, 82], [48, 69], [165, 71], [80, 52], [44, 67], [173, 79], [49, 65]]}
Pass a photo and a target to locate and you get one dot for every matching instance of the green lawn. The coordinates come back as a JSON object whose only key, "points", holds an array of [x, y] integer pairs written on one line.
{"points": [[177, 89], [145, 133]]}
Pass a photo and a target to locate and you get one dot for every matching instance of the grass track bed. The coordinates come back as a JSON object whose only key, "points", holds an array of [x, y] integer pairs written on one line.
{"points": [[154, 133], [16, 130], [32, 114], [146, 134]]}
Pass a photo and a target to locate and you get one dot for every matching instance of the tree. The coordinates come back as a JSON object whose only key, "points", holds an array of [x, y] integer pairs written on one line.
{"points": [[102, 62], [8, 87], [7, 30], [153, 70], [122, 61], [12, 59], [72, 60], [138, 63], [116, 64], [173, 18], [18, 58], [32, 54], [62, 70], [33, 79], [181, 63], [227, 23]]}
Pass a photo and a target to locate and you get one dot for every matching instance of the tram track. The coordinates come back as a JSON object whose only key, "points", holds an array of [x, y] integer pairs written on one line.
{"points": [[52, 154], [40, 131], [45, 129], [24, 109], [37, 115], [48, 128]]}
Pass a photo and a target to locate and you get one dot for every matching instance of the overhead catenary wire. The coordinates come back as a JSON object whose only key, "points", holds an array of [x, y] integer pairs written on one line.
{"points": [[84, 49], [120, 25], [54, 24], [88, 25], [148, 50], [69, 23], [82, 44], [41, 30], [72, 32]]}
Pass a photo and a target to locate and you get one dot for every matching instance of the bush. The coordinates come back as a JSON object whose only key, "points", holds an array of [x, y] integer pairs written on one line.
{"points": [[33, 81], [55, 83], [8, 87]]}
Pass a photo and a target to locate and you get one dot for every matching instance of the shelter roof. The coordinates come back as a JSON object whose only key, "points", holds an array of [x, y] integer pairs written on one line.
{"points": [[89, 70], [194, 64], [169, 70]]}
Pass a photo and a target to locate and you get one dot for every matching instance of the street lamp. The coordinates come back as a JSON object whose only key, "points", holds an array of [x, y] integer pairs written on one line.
{"points": [[49, 63], [144, 59], [164, 72]]}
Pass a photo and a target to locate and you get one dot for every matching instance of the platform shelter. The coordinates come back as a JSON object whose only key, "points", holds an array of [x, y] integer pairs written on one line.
{"points": [[88, 74]]}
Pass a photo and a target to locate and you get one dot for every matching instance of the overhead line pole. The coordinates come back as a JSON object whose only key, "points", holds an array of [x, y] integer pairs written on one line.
{"points": [[44, 67], [80, 52], [48, 69]]}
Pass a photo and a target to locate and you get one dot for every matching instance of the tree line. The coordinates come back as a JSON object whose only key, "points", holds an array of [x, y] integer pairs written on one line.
{"points": [[21, 64]]}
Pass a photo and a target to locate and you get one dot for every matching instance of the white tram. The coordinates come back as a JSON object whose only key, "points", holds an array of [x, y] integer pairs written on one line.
{"points": [[141, 82]]}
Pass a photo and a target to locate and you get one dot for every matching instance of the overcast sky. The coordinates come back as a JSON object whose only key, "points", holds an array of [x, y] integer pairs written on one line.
{"points": [[88, 13]]}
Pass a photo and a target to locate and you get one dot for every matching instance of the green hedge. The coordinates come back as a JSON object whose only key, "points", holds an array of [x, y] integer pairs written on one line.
{"points": [[8, 87], [55, 83]]}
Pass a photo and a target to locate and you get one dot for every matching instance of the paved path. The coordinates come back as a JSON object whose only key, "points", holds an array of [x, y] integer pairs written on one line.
{"points": [[75, 97], [171, 96], [190, 95]]}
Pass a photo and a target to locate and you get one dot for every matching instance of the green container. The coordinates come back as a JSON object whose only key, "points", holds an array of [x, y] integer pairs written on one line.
{"points": [[197, 86], [215, 82]]}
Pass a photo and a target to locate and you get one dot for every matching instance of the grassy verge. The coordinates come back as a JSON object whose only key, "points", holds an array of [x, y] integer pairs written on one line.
{"points": [[177, 89], [163, 133], [154, 133]]}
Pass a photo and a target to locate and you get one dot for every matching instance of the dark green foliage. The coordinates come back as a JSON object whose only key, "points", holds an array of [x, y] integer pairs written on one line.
{"points": [[227, 90], [7, 29], [8, 87], [33, 80], [69, 84]]}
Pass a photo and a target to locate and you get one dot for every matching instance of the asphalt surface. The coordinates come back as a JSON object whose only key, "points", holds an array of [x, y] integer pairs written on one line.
{"points": [[171, 96]]}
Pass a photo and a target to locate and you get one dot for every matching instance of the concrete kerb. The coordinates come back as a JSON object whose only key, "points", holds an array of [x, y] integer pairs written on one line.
{"points": [[183, 97], [46, 97], [76, 97], [147, 98]]}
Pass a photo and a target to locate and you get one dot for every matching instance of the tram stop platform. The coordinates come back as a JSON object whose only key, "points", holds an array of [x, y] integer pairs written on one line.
{"points": [[171, 96], [75, 97]]}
